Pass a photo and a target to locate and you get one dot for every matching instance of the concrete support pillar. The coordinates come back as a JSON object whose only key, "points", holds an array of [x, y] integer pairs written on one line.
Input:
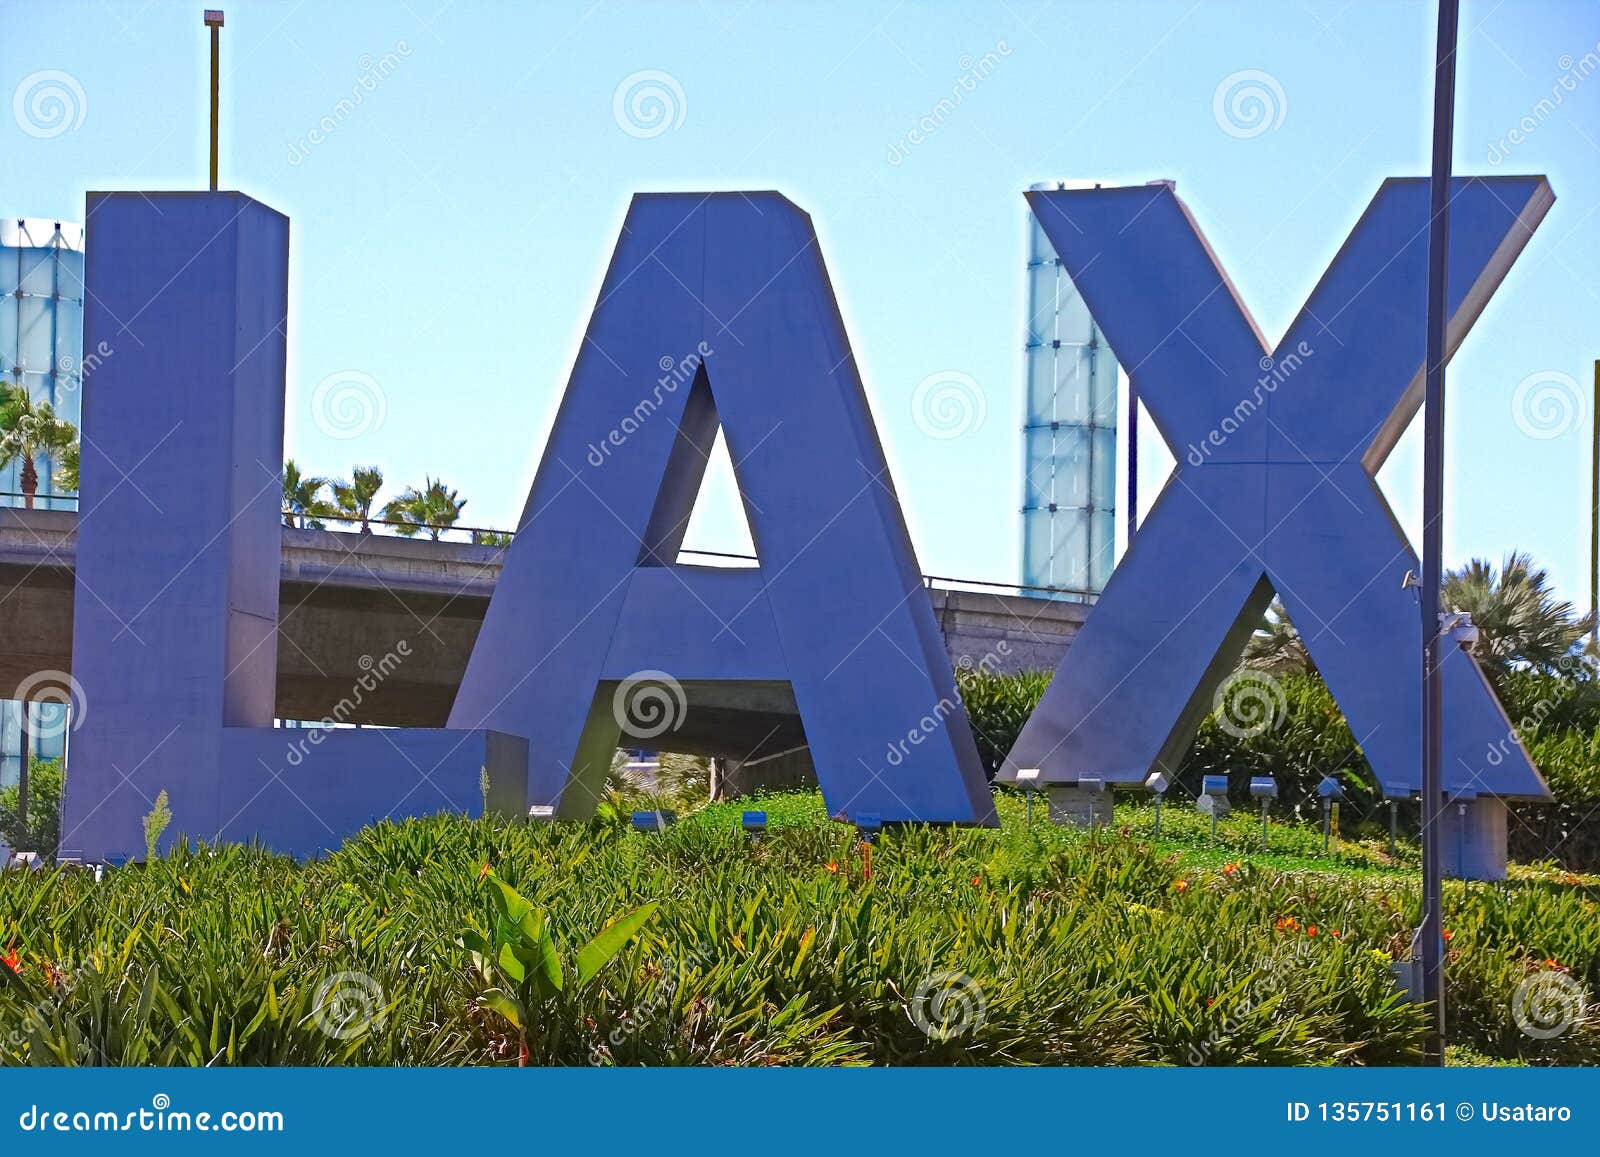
{"points": [[1473, 838], [1078, 807], [788, 771]]}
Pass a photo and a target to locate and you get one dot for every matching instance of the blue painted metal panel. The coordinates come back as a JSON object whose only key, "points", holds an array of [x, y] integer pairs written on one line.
{"points": [[733, 287], [1273, 488], [178, 554]]}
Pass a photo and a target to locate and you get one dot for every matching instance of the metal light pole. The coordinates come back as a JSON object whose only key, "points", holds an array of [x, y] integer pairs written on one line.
{"points": [[1594, 518], [1430, 939], [1133, 457], [214, 22]]}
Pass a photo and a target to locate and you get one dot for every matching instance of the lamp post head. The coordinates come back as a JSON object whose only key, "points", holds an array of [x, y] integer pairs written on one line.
{"points": [[213, 18]]}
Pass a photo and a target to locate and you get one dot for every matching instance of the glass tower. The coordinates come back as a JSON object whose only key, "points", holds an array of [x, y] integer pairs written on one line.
{"points": [[41, 332], [1069, 435], [41, 348]]}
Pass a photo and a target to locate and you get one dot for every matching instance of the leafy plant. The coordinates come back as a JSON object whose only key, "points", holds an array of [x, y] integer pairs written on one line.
{"points": [[521, 967], [155, 825]]}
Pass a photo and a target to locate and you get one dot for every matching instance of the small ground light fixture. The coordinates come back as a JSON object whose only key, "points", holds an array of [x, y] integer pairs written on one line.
{"points": [[1097, 785], [542, 812], [1156, 784], [654, 821], [1265, 789], [1213, 798], [754, 823], [1028, 777], [1330, 790]]}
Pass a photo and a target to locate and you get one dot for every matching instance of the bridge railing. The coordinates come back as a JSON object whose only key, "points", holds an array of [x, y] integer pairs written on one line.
{"points": [[489, 536]]}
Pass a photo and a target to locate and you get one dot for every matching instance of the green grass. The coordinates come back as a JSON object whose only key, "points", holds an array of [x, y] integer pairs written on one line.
{"points": [[1041, 945]]}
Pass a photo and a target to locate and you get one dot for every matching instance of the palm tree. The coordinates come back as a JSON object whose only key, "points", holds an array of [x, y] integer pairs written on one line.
{"points": [[1276, 646], [67, 470], [354, 498], [27, 430], [491, 538], [1519, 620], [433, 508], [303, 504]]}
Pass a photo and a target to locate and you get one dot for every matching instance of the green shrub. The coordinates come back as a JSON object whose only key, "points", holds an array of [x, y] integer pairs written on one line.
{"points": [[43, 830], [997, 707], [1018, 946]]}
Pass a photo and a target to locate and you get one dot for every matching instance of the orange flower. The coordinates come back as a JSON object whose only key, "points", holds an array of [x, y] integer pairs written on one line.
{"points": [[1230, 869], [1448, 935], [976, 880], [833, 865], [1182, 885], [12, 961], [1334, 934], [1311, 931], [1556, 964], [484, 875], [1210, 1000]]}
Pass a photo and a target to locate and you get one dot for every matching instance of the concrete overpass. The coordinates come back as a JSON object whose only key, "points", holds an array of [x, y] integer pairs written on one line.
{"points": [[346, 600]]}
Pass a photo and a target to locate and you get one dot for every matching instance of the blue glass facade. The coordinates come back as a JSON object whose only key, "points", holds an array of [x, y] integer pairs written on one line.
{"points": [[1069, 433], [41, 348]]}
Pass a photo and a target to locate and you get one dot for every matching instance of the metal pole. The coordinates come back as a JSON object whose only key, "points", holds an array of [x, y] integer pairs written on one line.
{"points": [[1133, 454], [213, 20], [1594, 518], [1430, 938]]}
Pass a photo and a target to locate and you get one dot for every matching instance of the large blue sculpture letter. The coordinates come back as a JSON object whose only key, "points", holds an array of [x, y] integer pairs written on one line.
{"points": [[1273, 490], [719, 306], [176, 608]]}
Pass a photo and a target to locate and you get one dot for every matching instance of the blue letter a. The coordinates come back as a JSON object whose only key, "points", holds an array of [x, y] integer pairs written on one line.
{"points": [[717, 308]]}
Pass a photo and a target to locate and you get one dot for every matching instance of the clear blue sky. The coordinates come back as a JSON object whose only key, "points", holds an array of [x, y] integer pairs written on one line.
{"points": [[450, 231]]}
